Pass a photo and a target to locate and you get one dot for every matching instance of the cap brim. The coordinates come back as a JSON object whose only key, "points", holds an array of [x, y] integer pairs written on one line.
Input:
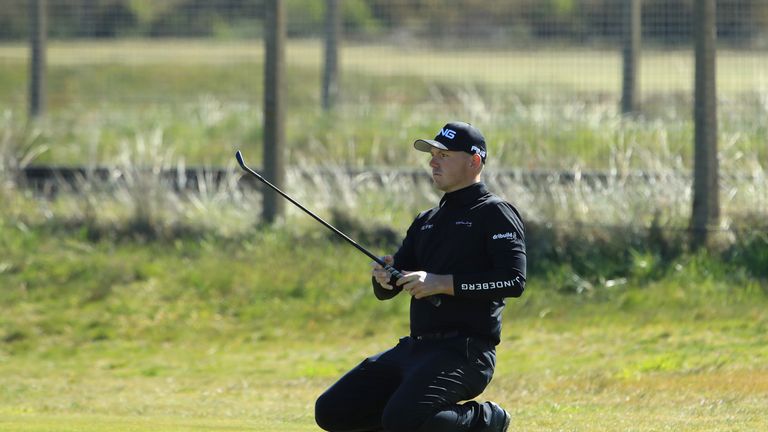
{"points": [[427, 145]]}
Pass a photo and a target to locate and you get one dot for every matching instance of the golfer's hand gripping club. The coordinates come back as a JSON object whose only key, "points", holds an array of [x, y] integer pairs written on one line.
{"points": [[395, 274]]}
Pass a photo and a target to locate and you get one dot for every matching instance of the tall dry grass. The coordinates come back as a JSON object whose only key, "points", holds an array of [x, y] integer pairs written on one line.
{"points": [[644, 193]]}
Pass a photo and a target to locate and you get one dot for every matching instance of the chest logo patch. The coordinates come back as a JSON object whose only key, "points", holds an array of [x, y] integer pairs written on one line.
{"points": [[508, 235], [465, 223]]}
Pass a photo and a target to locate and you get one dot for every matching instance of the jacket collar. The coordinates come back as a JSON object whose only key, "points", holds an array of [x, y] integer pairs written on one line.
{"points": [[464, 196]]}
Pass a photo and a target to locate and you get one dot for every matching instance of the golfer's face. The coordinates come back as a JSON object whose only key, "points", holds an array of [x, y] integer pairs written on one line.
{"points": [[451, 170]]}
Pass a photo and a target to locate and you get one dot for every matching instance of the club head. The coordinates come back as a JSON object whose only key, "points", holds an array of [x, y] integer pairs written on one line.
{"points": [[239, 157]]}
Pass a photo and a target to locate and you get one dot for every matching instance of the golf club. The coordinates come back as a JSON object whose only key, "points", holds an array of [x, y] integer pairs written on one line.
{"points": [[395, 274]]}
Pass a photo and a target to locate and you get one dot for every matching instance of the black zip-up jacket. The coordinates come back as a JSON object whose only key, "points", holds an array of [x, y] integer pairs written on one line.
{"points": [[479, 239]]}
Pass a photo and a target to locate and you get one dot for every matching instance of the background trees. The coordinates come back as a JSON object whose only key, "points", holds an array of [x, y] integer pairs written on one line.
{"points": [[666, 22]]}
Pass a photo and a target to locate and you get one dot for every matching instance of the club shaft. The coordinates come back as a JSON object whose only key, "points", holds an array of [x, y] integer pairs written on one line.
{"points": [[396, 274], [316, 217]]}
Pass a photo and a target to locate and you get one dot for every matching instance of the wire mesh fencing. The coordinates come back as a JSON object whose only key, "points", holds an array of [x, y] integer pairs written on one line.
{"points": [[419, 51]]}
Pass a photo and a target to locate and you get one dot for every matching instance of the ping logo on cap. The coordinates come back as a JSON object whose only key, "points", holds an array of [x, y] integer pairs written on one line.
{"points": [[479, 151], [448, 133]]}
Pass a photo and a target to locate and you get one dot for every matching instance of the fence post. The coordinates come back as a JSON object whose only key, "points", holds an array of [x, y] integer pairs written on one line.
{"points": [[274, 107], [37, 66], [705, 213], [632, 34], [332, 41]]}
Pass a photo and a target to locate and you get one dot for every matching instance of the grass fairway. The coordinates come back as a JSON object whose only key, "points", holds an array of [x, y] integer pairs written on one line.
{"points": [[197, 335], [698, 376], [575, 68], [88, 423]]}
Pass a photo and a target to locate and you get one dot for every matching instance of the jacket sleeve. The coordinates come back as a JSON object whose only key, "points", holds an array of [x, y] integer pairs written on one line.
{"points": [[505, 245], [405, 258]]}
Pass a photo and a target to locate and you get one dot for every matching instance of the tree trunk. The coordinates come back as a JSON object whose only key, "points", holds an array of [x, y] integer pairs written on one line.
{"points": [[706, 206], [37, 67], [332, 41], [274, 108], [632, 35]]}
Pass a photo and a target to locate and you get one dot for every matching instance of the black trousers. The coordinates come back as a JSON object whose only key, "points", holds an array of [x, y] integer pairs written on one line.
{"points": [[415, 386]]}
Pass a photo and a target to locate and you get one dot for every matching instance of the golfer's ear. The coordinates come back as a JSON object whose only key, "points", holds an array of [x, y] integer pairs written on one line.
{"points": [[476, 160]]}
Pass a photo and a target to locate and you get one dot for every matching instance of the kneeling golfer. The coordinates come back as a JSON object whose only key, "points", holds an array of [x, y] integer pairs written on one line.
{"points": [[468, 253]]}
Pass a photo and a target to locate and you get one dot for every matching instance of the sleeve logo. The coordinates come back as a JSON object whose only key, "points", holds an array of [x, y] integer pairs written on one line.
{"points": [[481, 286]]}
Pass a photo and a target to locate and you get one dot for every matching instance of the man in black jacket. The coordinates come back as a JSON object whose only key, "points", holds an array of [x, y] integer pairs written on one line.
{"points": [[466, 255]]}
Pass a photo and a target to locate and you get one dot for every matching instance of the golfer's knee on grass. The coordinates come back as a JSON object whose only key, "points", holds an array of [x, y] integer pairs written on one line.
{"points": [[326, 412]]}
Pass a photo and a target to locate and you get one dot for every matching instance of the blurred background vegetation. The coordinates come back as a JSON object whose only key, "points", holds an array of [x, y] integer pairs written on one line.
{"points": [[518, 22]]}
